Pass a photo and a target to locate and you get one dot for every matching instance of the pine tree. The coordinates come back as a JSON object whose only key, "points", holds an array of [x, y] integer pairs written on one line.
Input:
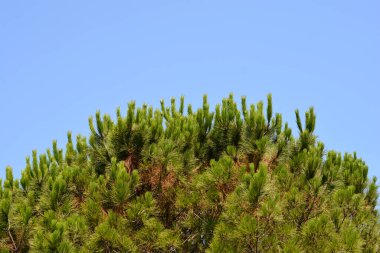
{"points": [[234, 179]]}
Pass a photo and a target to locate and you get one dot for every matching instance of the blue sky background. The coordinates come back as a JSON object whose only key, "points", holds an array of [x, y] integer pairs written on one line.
{"points": [[60, 61]]}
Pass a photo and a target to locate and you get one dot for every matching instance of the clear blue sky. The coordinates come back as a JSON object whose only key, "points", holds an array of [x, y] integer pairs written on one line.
{"points": [[60, 61]]}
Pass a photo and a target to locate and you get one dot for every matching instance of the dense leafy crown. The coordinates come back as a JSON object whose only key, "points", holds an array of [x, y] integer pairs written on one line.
{"points": [[231, 180]]}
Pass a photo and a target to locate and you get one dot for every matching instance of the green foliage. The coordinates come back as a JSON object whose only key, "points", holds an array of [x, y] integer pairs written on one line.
{"points": [[230, 180]]}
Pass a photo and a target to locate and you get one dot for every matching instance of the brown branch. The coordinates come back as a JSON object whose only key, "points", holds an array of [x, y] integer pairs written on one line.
{"points": [[14, 249]]}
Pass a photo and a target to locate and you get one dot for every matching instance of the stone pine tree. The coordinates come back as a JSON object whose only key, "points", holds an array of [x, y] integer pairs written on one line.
{"points": [[176, 179]]}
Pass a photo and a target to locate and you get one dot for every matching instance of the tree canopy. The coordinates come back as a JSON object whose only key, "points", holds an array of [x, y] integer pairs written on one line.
{"points": [[176, 179]]}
